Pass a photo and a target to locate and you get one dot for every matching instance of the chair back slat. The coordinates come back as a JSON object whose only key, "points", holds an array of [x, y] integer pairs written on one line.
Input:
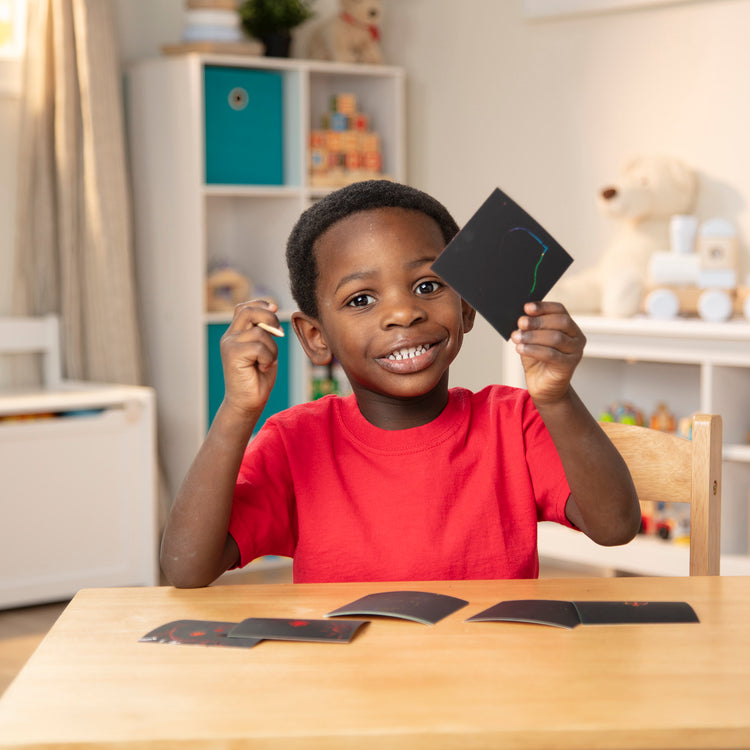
{"points": [[40, 335], [669, 468]]}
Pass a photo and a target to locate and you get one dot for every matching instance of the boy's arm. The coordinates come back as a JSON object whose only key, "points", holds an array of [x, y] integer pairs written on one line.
{"points": [[196, 546], [603, 501]]}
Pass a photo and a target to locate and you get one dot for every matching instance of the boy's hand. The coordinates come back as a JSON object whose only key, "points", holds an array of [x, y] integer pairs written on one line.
{"points": [[551, 346], [249, 357]]}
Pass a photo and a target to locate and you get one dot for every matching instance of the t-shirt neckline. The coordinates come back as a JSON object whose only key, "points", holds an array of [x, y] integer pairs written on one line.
{"points": [[410, 440]]}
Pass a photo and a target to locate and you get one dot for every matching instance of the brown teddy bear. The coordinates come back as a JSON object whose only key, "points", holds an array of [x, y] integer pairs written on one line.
{"points": [[351, 36], [650, 190]]}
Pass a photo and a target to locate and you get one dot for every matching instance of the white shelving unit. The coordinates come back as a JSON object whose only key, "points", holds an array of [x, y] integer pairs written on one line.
{"points": [[690, 365], [183, 223]]}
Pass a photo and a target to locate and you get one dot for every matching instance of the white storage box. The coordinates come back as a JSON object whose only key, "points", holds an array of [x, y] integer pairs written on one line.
{"points": [[78, 489]]}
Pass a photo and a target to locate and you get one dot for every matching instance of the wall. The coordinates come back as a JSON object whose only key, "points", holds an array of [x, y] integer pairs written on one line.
{"points": [[550, 110], [546, 110]]}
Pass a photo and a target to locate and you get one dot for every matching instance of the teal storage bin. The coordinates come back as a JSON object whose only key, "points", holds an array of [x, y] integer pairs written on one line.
{"points": [[279, 399], [243, 126]]}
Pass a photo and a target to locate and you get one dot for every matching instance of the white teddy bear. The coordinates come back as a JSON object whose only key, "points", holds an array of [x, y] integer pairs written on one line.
{"points": [[351, 36], [650, 191]]}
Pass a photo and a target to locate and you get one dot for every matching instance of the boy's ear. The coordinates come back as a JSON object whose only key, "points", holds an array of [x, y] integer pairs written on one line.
{"points": [[469, 313], [311, 338]]}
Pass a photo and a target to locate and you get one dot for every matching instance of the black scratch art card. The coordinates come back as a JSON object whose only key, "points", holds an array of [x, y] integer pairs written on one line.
{"points": [[536, 611], [622, 613], [564, 614], [197, 633], [420, 606], [501, 260], [296, 629]]}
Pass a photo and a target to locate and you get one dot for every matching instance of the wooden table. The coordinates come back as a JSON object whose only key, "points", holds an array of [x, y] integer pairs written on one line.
{"points": [[398, 684]]}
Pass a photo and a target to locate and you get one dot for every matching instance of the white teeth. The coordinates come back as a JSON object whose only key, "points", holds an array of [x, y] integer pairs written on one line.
{"points": [[409, 352]]}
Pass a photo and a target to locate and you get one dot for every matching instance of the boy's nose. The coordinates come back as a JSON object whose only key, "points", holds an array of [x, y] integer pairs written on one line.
{"points": [[402, 310]]}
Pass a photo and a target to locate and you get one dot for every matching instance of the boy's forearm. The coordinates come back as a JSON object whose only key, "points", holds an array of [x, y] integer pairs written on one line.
{"points": [[605, 504], [194, 546]]}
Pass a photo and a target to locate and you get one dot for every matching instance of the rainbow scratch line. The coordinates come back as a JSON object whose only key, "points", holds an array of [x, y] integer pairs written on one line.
{"points": [[541, 257]]}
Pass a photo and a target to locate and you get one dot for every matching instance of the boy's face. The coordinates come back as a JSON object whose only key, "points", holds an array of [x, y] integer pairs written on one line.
{"points": [[389, 320]]}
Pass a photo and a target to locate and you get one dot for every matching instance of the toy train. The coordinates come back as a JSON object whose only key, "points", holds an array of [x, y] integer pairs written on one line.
{"points": [[699, 274]]}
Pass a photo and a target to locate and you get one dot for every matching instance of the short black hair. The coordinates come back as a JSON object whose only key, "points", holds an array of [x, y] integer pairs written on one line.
{"points": [[360, 196]]}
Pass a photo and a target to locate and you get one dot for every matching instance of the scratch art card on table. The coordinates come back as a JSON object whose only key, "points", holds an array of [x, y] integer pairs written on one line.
{"points": [[535, 611], [571, 614], [501, 260], [297, 629], [606, 613], [198, 633], [420, 606]]}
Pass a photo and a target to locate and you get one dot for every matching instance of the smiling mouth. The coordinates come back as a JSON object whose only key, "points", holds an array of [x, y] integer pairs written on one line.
{"points": [[409, 352]]}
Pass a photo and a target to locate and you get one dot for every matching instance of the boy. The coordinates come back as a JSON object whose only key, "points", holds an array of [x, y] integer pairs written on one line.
{"points": [[405, 479]]}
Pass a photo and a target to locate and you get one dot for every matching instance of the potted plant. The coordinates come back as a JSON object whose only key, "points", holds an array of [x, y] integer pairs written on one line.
{"points": [[271, 21]]}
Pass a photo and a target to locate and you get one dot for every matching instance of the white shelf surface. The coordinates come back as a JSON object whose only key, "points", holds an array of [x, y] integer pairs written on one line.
{"points": [[645, 555]]}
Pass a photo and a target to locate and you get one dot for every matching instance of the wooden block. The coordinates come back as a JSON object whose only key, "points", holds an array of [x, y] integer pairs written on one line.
{"points": [[360, 122], [333, 140], [338, 121], [350, 141], [372, 160], [344, 103], [318, 139], [318, 159], [369, 142]]}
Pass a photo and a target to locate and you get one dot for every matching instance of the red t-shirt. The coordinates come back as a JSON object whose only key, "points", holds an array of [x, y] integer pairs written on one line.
{"points": [[458, 498]]}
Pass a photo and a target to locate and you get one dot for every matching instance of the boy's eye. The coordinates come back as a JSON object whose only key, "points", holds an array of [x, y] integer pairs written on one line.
{"points": [[427, 287], [361, 300]]}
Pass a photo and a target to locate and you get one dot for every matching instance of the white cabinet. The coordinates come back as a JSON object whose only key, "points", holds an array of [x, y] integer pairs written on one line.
{"points": [[184, 222], [690, 365], [78, 494]]}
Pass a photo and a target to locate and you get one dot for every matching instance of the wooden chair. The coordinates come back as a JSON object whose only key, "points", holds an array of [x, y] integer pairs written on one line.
{"points": [[668, 468]]}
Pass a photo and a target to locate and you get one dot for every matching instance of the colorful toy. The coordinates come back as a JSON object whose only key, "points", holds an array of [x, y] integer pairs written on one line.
{"points": [[622, 412], [698, 276], [662, 419], [226, 288], [353, 35], [345, 150], [650, 191]]}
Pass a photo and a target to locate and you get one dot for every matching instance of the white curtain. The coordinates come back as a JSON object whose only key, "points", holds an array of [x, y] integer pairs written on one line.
{"points": [[74, 247], [74, 252]]}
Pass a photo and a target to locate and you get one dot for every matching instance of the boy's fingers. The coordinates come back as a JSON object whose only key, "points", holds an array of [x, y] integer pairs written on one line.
{"points": [[251, 354], [544, 308], [249, 315]]}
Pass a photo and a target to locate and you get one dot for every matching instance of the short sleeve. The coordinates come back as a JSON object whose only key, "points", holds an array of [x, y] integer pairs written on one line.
{"points": [[263, 519]]}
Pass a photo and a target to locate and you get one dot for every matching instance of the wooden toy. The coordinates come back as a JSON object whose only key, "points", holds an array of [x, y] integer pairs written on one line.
{"points": [[338, 121], [226, 288], [360, 122], [698, 275], [344, 103], [623, 412], [345, 150], [318, 158], [318, 139], [662, 419]]}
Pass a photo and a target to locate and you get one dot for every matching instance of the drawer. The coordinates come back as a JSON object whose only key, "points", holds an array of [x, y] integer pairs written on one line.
{"points": [[243, 126]]}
